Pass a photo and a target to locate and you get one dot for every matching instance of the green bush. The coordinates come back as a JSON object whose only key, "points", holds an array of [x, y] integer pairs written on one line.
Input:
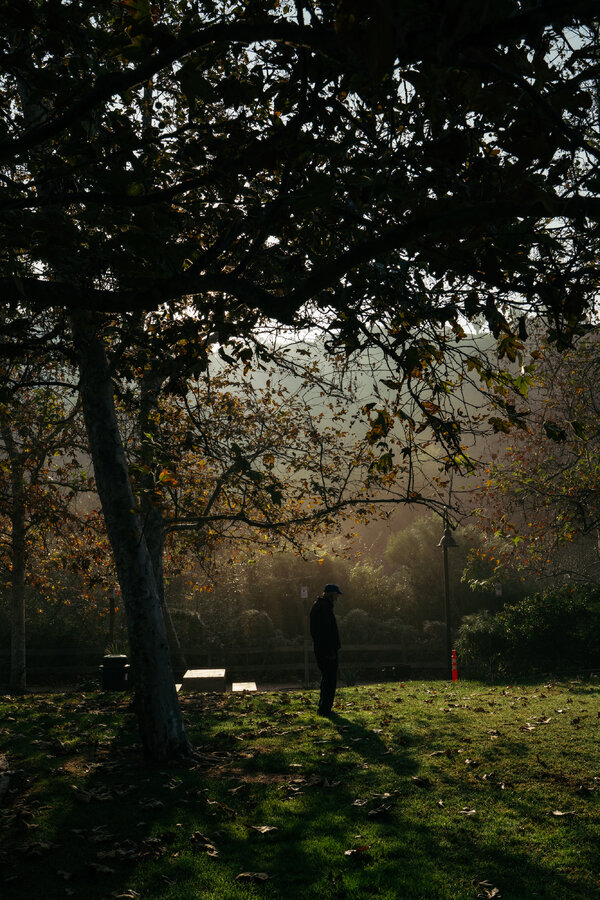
{"points": [[554, 629], [481, 645], [256, 628]]}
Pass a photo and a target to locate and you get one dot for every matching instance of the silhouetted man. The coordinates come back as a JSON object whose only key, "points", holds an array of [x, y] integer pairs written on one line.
{"points": [[326, 642]]}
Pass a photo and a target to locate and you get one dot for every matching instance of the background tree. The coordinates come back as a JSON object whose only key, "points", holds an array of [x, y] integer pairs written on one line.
{"points": [[414, 552], [40, 473], [540, 503]]}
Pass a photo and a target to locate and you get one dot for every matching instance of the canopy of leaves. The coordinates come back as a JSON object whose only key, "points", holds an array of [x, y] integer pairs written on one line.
{"points": [[391, 163]]}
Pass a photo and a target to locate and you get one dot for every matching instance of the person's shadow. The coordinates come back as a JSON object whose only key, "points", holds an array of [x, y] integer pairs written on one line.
{"points": [[368, 743]]}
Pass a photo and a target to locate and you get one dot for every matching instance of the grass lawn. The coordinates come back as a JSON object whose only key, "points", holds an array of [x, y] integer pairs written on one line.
{"points": [[416, 790]]}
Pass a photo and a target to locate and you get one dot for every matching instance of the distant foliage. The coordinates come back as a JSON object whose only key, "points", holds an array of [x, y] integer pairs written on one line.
{"points": [[256, 628], [550, 630]]}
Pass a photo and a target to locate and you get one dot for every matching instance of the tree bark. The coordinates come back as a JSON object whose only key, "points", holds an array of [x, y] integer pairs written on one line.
{"points": [[152, 516], [159, 716]]}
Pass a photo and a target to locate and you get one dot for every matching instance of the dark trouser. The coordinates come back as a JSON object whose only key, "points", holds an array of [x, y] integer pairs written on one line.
{"points": [[328, 669]]}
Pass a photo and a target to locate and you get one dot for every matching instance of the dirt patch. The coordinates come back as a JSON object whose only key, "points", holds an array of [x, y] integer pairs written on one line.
{"points": [[248, 777], [77, 765]]}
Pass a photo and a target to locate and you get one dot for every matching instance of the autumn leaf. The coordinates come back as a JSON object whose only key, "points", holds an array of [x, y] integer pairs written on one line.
{"points": [[204, 844], [487, 891], [38, 848], [100, 869], [168, 478], [151, 804], [358, 853], [379, 811], [253, 877], [420, 781]]}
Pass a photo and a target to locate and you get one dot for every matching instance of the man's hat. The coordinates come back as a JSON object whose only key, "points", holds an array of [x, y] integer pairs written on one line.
{"points": [[331, 589]]}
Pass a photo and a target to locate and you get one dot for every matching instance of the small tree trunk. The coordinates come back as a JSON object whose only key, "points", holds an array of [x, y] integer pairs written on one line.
{"points": [[159, 716], [18, 651], [152, 516], [18, 648]]}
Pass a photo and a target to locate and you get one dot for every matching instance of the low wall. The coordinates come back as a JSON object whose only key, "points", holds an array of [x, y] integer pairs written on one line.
{"points": [[387, 661]]}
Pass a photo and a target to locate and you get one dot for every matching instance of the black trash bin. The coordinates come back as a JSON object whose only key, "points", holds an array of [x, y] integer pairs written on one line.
{"points": [[115, 673]]}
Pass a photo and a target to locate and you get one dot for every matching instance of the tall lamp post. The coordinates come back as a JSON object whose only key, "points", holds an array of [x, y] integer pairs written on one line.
{"points": [[447, 541]]}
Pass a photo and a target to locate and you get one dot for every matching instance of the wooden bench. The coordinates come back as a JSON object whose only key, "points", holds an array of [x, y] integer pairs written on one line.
{"points": [[204, 680], [243, 686]]}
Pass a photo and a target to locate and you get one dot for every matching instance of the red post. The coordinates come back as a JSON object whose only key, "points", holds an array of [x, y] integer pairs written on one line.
{"points": [[454, 667]]}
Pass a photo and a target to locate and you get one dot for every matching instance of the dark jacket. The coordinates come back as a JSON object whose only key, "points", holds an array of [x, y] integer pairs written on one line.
{"points": [[323, 628]]}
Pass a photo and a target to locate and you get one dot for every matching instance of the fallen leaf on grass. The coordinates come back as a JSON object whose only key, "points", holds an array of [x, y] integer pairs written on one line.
{"points": [[487, 891], [466, 811], [222, 806], [560, 812], [99, 835], [204, 844], [125, 895], [264, 829], [361, 853], [253, 876], [127, 850], [379, 811], [420, 781], [151, 804], [100, 869], [86, 796], [37, 848]]}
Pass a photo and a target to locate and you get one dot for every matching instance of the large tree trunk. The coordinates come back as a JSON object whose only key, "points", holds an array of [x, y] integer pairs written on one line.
{"points": [[160, 722]]}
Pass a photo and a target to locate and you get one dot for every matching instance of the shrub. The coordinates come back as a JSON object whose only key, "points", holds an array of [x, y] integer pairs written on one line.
{"points": [[355, 627], [481, 645], [434, 637], [557, 628], [256, 628]]}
